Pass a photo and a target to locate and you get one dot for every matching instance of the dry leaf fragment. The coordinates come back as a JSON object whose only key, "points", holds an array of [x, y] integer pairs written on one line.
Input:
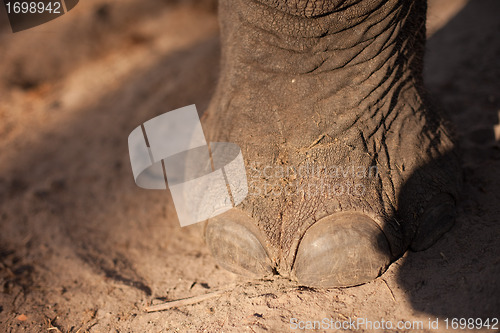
{"points": [[22, 317]]}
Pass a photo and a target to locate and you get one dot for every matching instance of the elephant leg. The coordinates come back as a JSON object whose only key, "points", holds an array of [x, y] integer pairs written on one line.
{"points": [[348, 166]]}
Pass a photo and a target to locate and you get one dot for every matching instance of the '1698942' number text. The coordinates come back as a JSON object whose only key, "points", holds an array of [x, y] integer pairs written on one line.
{"points": [[33, 7]]}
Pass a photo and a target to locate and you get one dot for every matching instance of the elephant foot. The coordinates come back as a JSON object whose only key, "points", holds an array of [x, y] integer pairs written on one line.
{"points": [[347, 164]]}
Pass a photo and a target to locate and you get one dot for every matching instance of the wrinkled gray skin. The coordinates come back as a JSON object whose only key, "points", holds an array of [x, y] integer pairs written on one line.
{"points": [[330, 85]]}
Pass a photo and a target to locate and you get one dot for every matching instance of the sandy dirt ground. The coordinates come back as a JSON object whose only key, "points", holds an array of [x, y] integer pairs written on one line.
{"points": [[83, 249]]}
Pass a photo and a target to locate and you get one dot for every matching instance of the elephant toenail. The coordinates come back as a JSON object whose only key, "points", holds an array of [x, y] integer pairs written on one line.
{"points": [[235, 245], [437, 219], [344, 249]]}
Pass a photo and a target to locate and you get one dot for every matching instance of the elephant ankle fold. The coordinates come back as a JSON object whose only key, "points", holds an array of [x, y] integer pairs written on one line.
{"points": [[362, 37]]}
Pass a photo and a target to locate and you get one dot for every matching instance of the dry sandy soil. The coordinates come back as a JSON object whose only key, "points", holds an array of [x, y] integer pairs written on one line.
{"points": [[82, 248]]}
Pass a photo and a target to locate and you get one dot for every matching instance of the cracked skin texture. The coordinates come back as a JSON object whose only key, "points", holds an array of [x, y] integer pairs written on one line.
{"points": [[338, 87]]}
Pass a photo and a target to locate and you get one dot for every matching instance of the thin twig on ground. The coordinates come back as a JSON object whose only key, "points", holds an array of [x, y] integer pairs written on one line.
{"points": [[392, 294], [183, 302]]}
